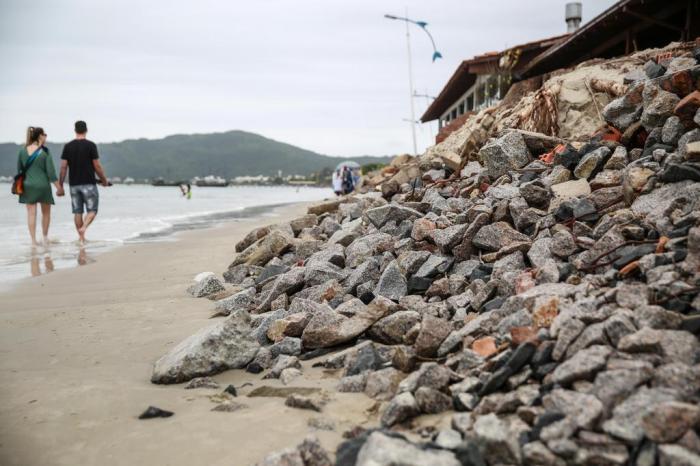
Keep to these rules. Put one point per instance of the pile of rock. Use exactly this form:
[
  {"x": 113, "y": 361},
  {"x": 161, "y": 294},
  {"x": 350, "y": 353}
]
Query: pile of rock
[{"x": 546, "y": 298}]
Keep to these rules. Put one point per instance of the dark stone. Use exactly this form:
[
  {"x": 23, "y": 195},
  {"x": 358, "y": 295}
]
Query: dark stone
[
  {"x": 366, "y": 359},
  {"x": 545, "y": 369},
  {"x": 543, "y": 355},
  {"x": 270, "y": 272},
  {"x": 691, "y": 323},
  {"x": 521, "y": 356},
  {"x": 653, "y": 69},
  {"x": 584, "y": 209},
  {"x": 569, "y": 158},
  {"x": 153, "y": 412},
  {"x": 254, "y": 368},
  {"x": 631, "y": 253},
  {"x": 496, "y": 381},
  {"x": 418, "y": 284},
  {"x": 231, "y": 390},
  {"x": 495, "y": 303},
  {"x": 468, "y": 454},
  {"x": 483, "y": 272},
  {"x": 547, "y": 418},
  {"x": 675, "y": 172}
]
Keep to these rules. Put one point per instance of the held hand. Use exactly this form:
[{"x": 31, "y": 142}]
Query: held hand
[
  {"x": 60, "y": 192},
  {"x": 106, "y": 184}
]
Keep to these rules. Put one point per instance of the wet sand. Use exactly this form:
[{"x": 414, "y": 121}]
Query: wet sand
[{"x": 76, "y": 350}]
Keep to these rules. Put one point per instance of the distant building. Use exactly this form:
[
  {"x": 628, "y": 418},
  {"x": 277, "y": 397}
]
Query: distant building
[
  {"x": 625, "y": 27},
  {"x": 482, "y": 82}
]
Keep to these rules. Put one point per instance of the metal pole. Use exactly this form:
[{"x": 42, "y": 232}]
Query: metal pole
[{"x": 410, "y": 90}]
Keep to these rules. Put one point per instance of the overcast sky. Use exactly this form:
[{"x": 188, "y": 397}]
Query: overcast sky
[{"x": 325, "y": 75}]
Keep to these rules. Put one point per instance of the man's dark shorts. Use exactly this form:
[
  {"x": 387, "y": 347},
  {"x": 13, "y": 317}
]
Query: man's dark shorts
[{"x": 84, "y": 197}]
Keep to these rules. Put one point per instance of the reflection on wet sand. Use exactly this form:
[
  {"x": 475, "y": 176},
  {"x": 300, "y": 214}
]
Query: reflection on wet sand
[
  {"x": 41, "y": 261},
  {"x": 35, "y": 264},
  {"x": 83, "y": 258}
]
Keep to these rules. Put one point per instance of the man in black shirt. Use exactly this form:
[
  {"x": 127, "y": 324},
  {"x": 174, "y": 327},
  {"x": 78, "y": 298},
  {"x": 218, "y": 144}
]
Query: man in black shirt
[{"x": 81, "y": 161}]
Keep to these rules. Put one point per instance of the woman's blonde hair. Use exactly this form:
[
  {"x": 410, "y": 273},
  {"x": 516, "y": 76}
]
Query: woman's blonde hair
[{"x": 33, "y": 133}]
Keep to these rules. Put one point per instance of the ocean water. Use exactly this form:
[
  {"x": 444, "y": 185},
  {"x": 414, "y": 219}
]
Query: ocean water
[{"x": 135, "y": 213}]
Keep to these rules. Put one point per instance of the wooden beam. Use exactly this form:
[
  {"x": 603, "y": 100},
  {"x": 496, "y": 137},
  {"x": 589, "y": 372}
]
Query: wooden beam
[{"x": 652, "y": 20}]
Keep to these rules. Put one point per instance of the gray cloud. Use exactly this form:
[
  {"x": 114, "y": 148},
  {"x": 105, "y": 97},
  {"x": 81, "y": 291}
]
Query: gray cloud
[{"x": 325, "y": 75}]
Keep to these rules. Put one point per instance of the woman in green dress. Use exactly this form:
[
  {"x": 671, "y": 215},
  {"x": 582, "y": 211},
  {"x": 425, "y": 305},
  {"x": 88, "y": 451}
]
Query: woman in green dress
[{"x": 37, "y": 182}]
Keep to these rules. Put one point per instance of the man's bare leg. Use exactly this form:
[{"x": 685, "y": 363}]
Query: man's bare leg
[
  {"x": 78, "y": 219},
  {"x": 89, "y": 217}
]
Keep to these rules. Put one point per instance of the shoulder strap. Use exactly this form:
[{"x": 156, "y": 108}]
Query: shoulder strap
[{"x": 30, "y": 161}]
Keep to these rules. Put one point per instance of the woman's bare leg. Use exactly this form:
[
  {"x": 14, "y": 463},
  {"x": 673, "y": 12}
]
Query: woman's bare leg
[
  {"x": 31, "y": 222},
  {"x": 45, "y": 221}
]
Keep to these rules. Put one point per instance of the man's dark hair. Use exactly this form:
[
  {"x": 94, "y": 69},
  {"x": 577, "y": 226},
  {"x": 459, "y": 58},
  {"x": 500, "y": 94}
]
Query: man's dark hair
[{"x": 80, "y": 127}]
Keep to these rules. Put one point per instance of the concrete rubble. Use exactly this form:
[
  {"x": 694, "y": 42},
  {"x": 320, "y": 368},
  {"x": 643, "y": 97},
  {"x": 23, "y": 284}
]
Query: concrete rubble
[{"x": 540, "y": 292}]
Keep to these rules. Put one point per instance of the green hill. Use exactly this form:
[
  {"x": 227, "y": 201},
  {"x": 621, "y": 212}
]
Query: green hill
[{"x": 183, "y": 156}]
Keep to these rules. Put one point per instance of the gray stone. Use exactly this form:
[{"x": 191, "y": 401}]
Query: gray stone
[
  {"x": 581, "y": 411},
  {"x": 208, "y": 285},
  {"x": 448, "y": 439},
  {"x": 626, "y": 422},
  {"x": 288, "y": 345},
  {"x": 431, "y": 401},
  {"x": 540, "y": 252},
  {"x": 681, "y": 377},
  {"x": 537, "y": 453},
  {"x": 430, "y": 374},
  {"x": 283, "y": 362},
  {"x": 368, "y": 270},
  {"x": 367, "y": 246},
  {"x": 655, "y": 205},
  {"x": 497, "y": 235},
  {"x": 433, "y": 332},
  {"x": 378, "y": 216},
  {"x": 320, "y": 272},
  {"x": 392, "y": 329},
  {"x": 569, "y": 330},
  {"x": 617, "y": 327},
  {"x": 667, "y": 422},
  {"x": 626, "y": 110},
  {"x": 202, "y": 382},
  {"x": 410, "y": 261},
  {"x": 658, "y": 105},
  {"x": 239, "y": 301},
  {"x": 286, "y": 283},
  {"x": 583, "y": 365},
  {"x": 447, "y": 238},
  {"x": 383, "y": 450},
  {"x": 332, "y": 254},
  {"x": 259, "y": 253},
  {"x": 672, "y": 130},
  {"x": 383, "y": 384},
  {"x": 224, "y": 345},
  {"x": 329, "y": 328},
  {"x": 509, "y": 152},
  {"x": 618, "y": 159},
  {"x": 672, "y": 345},
  {"x": 676, "y": 455},
  {"x": 392, "y": 284},
  {"x": 286, "y": 457},
  {"x": 353, "y": 383},
  {"x": 401, "y": 408},
  {"x": 303, "y": 402},
  {"x": 434, "y": 265},
  {"x": 289, "y": 374},
  {"x": 590, "y": 162},
  {"x": 494, "y": 436}
]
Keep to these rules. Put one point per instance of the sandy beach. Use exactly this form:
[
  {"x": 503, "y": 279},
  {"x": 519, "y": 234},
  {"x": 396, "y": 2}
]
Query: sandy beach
[{"x": 76, "y": 350}]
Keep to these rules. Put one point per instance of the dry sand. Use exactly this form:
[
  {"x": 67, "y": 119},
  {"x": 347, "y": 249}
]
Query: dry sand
[{"x": 76, "y": 349}]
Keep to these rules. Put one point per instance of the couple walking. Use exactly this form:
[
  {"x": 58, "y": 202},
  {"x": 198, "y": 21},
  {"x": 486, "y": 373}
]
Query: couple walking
[{"x": 79, "y": 160}]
